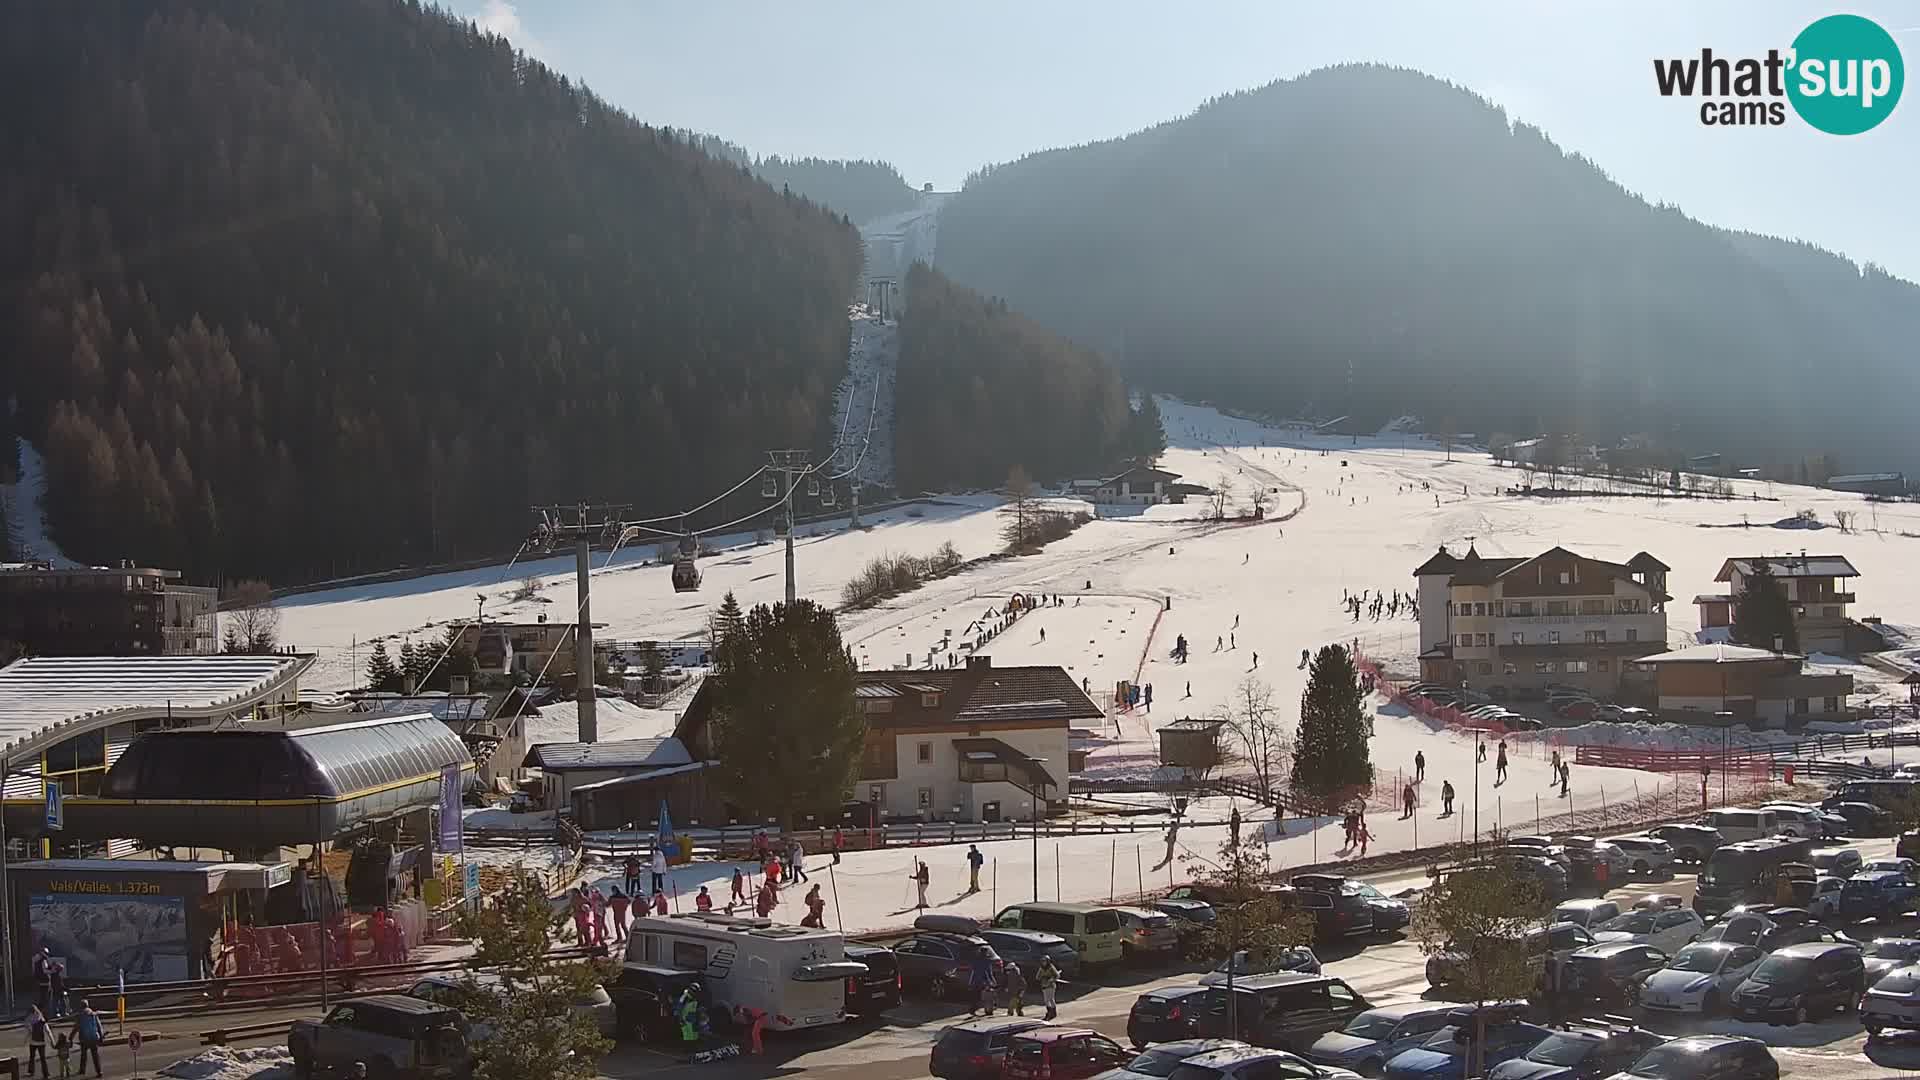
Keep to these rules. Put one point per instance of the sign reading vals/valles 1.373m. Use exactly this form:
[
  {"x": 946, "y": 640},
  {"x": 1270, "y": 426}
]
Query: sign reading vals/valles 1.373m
[{"x": 1843, "y": 75}]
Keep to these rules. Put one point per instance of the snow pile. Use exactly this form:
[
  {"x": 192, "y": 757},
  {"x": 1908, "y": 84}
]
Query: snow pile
[
  {"x": 615, "y": 718},
  {"x": 26, "y": 520},
  {"x": 228, "y": 1063}
]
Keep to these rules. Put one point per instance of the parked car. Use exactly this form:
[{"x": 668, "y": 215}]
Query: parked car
[
  {"x": 1159, "y": 1061},
  {"x": 1633, "y": 714},
  {"x": 1690, "y": 843},
  {"x": 1908, "y": 846},
  {"x": 394, "y": 1035},
  {"x": 1244, "y": 964},
  {"x": 451, "y": 990},
  {"x": 1892, "y": 1002},
  {"x": 1898, "y": 865},
  {"x": 1700, "y": 978},
  {"x": 1647, "y": 856},
  {"x": 1840, "y": 862},
  {"x": 1374, "y": 1037},
  {"x": 1669, "y": 930},
  {"x": 1578, "y": 1053},
  {"x": 644, "y": 996},
  {"x": 1550, "y": 874},
  {"x": 1797, "y": 926},
  {"x": 1336, "y": 915},
  {"x": 1092, "y": 929},
  {"x": 1544, "y": 845},
  {"x": 1024, "y": 948},
  {"x": 1863, "y": 819},
  {"x": 1704, "y": 1057},
  {"x": 1878, "y": 894},
  {"x": 1799, "y": 981},
  {"x": 1166, "y": 1013},
  {"x": 1443, "y": 1056},
  {"x": 1061, "y": 1053},
  {"x": 1561, "y": 939},
  {"x": 1825, "y": 901},
  {"x": 880, "y": 988},
  {"x": 975, "y": 1049},
  {"x": 940, "y": 965},
  {"x": 1659, "y": 901},
  {"x": 1611, "y": 973},
  {"x": 1254, "y": 1063},
  {"x": 1146, "y": 934},
  {"x": 1589, "y": 912},
  {"x": 1284, "y": 1012},
  {"x": 1388, "y": 914},
  {"x": 1186, "y": 913},
  {"x": 1882, "y": 955},
  {"x": 1739, "y": 928},
  {"x": 1795, "y": 820}
]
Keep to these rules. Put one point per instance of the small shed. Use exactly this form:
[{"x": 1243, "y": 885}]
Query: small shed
[
  {"x": 1192, "y": 744},
  {"x": 568, "y": 765}
]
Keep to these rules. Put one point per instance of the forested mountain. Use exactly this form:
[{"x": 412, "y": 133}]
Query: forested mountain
[
  {"x": 862, "y": 190},
  {"x": 297, "y": 289},
  {"x": 981, "y": 389},
  {"x": 1372, "y": 241}
]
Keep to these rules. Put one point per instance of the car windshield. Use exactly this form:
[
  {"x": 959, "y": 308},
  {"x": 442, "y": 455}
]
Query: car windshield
[
  {"x": 1694, "y": 958},
  {"x": 1562, "y": 1049},
  {"x": 1443, "y": 1041},
  {"x": 1781, "y": 969},
  {"x": 1156, "y": 1063},
  {"x": 1738, "y": 931},
  {"x": 1370, "y": 1025}
]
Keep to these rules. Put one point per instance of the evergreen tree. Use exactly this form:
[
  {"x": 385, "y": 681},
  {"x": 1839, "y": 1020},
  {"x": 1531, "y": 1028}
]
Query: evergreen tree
[
  {"x": 1761, "y": 613},
  {"x": 1331, "y": 751},
  {"x": 725, "y": 621},
  {"x": 382, "y": 675},
  {"x": 653, "y": 662},
  {"x": 1146, "y": 435},
  {"x": 784, "y": 729},
  {"x": 527, "y": 1002}
]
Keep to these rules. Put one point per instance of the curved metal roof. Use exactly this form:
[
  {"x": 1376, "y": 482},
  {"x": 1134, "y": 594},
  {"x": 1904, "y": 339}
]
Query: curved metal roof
[
  {"x": 46, "y": 699},
  {"x": 330, "y": 760}
]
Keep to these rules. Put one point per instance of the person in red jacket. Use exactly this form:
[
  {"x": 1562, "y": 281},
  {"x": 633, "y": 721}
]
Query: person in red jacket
[{"x": 619, "y": 902}]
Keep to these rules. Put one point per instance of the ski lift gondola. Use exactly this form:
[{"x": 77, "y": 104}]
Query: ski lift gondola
[
  {"x": 828, "y": 498},
  {"x": 686, "y": 573}
]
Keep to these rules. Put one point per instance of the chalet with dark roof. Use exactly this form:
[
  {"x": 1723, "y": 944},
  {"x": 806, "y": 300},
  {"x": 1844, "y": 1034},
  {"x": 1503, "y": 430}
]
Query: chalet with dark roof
[
  {"x": 973, "y": 743},
  {"x": 1556, "y": 618}
]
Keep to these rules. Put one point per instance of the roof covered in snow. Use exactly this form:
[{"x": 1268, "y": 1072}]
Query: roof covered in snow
[
  {"x": 1718, "y": 653},
  {"x": 1789, "y": 566},
  {"x": 55, "y": 697},
  {"x": 623, "y": 754}
]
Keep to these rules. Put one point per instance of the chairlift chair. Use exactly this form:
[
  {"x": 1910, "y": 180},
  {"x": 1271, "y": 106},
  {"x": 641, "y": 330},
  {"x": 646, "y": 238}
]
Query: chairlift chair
[
  {"x": 770, "y": 486},
  {"x": 813, "y": 485},
  {"x": 828, "y": 498}
]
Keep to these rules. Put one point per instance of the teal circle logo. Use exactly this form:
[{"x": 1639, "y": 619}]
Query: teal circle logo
[{"x": 1846, "y": 74}]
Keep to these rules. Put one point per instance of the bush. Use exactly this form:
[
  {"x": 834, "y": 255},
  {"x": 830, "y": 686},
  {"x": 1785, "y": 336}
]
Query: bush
[
  {"x": 1039, "y": 528},
  {"x": 891, "y": 575}
]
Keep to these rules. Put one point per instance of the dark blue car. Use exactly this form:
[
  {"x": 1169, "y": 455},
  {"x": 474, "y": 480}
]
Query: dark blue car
[
  {"x": 1877, "y": 894},
  {"x": 1444, "y": 1055}
]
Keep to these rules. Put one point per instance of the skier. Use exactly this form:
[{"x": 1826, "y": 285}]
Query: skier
[
  {"x": 1236, "y": 620},
  {"x": 1446, "y": 798},
  {"x": 1148, "y": 699},
  {"x": 1480, "y": 752},
  {"x": 1233, "y": 642},
  {"x": 816, "y": 909},
  {"x": 1406, "y": 797},
  {"x": 739, "y": 887},
  {"x": 703, "y": 900},
  {"x": 1420, "y": 766},
  {"x": 1256, "y": 661},
  {"x": 632, "y": 870},
  {"x": 1500, "y": 764},
  {"x": 1189, "y": 688},
  {"x": 974, "y": 860},
  {"x": 1048, "y": 977},
  {"x": 1043, "y": 635},
  {"x": 920, "y": 880}
]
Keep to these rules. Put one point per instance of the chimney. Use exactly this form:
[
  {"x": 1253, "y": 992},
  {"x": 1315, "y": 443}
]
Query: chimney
[{"x": 979, "y": 661}]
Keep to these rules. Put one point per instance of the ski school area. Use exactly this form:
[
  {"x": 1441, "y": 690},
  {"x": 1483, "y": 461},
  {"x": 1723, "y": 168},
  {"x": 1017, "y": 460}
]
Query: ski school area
[{"x": 1341, "y": 519}]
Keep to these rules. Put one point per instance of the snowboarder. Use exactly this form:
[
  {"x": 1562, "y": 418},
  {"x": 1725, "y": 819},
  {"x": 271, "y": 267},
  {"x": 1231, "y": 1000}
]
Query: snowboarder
[
  {"x": 974, "y": 860},
  {"x": 1420, "y": 766},
  {"x": 1446, "y": 798}
]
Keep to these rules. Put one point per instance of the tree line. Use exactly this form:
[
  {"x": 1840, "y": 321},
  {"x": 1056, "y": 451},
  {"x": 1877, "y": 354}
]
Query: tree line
[
  {"x": 305, "y": 290},
  {"x": 1439, "y": 260},
  {"x": 860, "y": 190}
]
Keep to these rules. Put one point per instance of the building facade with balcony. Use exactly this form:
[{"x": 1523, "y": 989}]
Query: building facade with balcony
[
  {"x": 1816, "y": 588},
  {"x": 123, "y": 610},
  {"x": 1556, "y": 618},
  {"x": 1751, "y": 686}
]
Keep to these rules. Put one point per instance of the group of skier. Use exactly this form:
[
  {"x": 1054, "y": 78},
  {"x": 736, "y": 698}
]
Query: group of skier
[{"x": 1376, "y": 604}]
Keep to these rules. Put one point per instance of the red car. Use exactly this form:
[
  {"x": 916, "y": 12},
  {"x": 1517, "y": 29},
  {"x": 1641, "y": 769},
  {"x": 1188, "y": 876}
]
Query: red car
[{"x": 1061, "y": 1053}]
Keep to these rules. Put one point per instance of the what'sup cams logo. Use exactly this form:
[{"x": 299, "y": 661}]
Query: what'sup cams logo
[{"x": 1842, "y": 75}]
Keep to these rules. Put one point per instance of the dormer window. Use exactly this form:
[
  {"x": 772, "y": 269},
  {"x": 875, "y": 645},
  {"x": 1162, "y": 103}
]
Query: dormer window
[{"x": 929, "y": 701}]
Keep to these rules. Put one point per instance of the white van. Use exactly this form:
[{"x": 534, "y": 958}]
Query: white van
[
  {"x": 1740, "y": 825},
  {"x": 793, "y": 974}
]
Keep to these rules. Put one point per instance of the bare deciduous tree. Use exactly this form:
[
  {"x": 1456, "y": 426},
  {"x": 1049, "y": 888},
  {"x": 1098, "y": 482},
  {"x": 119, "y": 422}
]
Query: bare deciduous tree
[
  {"x": 253, "y": 622},
  {"x": 1257, "y": 729},
  {"x": 1220, "y": 496},
  {"x": 1262, "y": 498},
  {"x": 529, "y": 588}
]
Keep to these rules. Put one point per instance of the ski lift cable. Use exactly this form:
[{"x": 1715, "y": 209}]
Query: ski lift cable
[
  {"x": 444, "y": 653},
  {"x": 555, "y": 654},
  {"x": 751, "y": 477}
]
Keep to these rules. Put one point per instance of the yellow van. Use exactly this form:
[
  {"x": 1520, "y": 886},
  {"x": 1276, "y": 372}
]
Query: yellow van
[{"x": 1094, "y": 930}]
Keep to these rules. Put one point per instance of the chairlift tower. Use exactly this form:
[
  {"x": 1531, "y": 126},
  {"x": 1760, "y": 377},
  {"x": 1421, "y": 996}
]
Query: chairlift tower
[
  {"x": 581, "y": 523},
  {"x": 788, "y": 466}
]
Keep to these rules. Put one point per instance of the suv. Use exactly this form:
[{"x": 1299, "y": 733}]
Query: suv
[
  {"x": 941, "y": 965},
  {"x": 1690, "y": 843},
  {"x": 1287, "y": 1011},
  {"x": 1801, "y": 980},
  {"x": 1838, "y": 862},
  {"x": 643, "y": 998},
  {"x": 1388, "y": 914},
  {"x": 974, "y": 1050},
  {"x": 1373, "y": 1037},
  {"x": 1166, "y": 1014},
  {"x": 1024, "y": 948},
  {"x": 1877, "y": 894},
  {"x": 879, "y": 989},
  {"x": 1579, "y": 1054},
  {"x": 1336, "y": 914},
  {"x": 1444, "y": 1053},
  {"x": 398, "y": 1037},
  {"x": 1647, "y": 856},
  {"x": 1611, "y": 974},
  {"x": 1561, "y": 939},
  {"x": 595, "y": 1006},
  {"x": 1146, "y": 934},
  {"x": 1061, "y": 1053}
]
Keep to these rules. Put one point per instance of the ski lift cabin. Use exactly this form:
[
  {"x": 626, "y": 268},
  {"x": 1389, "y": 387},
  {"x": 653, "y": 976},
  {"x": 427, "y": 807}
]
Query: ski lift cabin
[
  {"x": 770, "y": 487},
  {"x": 686, "y": 573}
]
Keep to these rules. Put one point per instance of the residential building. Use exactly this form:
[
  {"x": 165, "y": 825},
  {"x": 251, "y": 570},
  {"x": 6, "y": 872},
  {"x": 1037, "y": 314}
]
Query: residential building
[
  {"x": 1141, "y": 485},
  {"x": 1814, "y": 586},
  {"x": 973, "y": 743},
  {"x": 123, "y": 610},
  {"x": 1556, "y": 618},
  {"x": 1750, "y": 685},
  {"x": 1884, "y": 483}
]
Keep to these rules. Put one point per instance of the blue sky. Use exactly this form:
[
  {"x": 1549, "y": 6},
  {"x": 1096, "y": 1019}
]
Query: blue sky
[{"x": 942, "y": 89}]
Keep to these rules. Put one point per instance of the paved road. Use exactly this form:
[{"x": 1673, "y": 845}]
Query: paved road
[{"x": 897, "y": 1049}]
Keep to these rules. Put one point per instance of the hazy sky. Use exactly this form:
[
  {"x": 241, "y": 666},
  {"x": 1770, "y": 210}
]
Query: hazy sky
[{"x": 941, "y": 89}]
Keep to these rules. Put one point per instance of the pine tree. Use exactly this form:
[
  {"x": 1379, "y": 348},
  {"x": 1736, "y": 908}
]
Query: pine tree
[
  {"x": 784, "y": 729},
  {"x": 382, "y": 676},
  {"x": 1762, "y": 617},
  {"x": 1331, "y": 750},
  {"x": 725, "y": 621}
]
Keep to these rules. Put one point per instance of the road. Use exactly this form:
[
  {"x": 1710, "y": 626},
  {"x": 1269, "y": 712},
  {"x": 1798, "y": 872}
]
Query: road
[{"x": 897, "y": 1047}]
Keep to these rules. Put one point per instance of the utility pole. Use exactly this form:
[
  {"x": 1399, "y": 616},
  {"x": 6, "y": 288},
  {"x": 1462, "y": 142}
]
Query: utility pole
[
  {"x": 588, "y": 521},
  {"x": 790, "y": 465}
]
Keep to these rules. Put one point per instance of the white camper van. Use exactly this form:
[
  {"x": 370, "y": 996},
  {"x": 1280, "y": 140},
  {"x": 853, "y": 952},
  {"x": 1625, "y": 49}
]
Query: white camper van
[{"x": 793, "y": 974}]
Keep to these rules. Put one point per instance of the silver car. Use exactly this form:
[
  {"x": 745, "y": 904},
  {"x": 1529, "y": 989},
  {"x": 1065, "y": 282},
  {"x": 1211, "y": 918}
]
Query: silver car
[
  {"x": 1700, "y": 978},
  {"x": 1647, "y": 856}
]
